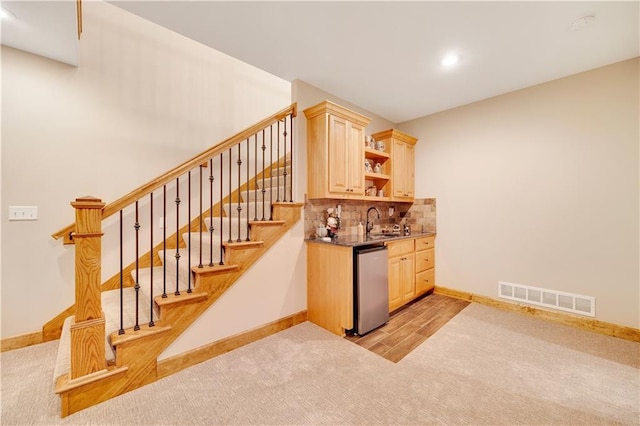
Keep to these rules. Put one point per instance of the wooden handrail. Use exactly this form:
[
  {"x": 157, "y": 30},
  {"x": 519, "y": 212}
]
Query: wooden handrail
[{"x": 156, "y": 183}]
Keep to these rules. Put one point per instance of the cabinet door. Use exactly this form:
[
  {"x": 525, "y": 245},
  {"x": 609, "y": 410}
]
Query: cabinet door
[
  {"x": 338, "y": 148},
  {"x": 403, "y": 170},
  {"x": 355, "y": 165},
  {"x": 410, "y": 167},
  {"x": 408, "y": 284},
  {"x": 395, "y": 278}
]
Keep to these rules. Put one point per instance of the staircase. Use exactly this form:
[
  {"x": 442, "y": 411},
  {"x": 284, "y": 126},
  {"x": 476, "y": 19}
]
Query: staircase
[{"x": 239, "y": 203}]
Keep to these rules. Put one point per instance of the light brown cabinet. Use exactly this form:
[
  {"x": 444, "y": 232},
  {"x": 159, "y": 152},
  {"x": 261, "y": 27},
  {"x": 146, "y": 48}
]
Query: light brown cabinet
[
  {"x": 402, "y": 149},
  {"x": 411, "y": 269},
  {"x": 336, "y": 155},
  {"x": 330, "y": 279},
  {"x": 425, "y": 262},
  {"x": 335, "y": 152},
  {"x": 330, "y": 287},
  {"x": 401, "y": 273}
]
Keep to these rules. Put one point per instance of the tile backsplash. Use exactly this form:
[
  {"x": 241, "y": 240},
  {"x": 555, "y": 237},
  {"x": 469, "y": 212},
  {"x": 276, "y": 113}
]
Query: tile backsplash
[{"x": 419, "y": 215}]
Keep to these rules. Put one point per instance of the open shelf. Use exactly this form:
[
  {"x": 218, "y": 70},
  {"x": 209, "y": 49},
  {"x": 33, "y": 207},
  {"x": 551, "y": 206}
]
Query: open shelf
[
  {"x": 374, "y": 153},
  {"x": 376, "y": 176}
]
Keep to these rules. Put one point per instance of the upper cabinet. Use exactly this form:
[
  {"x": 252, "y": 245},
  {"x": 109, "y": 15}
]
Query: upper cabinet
[
  {"x": 403, "y": 163},
  {"x": 341, "y": 163},
  {"x": 335, "y": 152}
]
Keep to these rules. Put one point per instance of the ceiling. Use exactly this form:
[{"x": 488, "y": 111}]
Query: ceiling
[{"x": 385, "y": 56}]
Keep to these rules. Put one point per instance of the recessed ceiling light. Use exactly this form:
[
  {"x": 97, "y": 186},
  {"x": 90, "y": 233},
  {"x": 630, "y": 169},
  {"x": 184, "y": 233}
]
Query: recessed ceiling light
[
  {"x": 6, "y": 13},
  {"x": 581, "y": 22},
  {"x": 449, "y": 60}
]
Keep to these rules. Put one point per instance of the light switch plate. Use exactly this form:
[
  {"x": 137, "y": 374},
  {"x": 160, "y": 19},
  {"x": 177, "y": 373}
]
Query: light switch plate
[{"x": 23, "y": 212}]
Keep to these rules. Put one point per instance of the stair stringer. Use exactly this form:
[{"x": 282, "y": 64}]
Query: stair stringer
[{"x": 137, "y": 351}]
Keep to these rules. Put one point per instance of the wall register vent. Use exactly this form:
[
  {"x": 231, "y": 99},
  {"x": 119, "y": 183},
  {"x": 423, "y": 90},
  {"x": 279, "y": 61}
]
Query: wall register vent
[{"x": 568, "y": 302}]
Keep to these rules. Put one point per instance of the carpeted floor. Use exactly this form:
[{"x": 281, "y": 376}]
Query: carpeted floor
[{"x": 483, "y": 367}]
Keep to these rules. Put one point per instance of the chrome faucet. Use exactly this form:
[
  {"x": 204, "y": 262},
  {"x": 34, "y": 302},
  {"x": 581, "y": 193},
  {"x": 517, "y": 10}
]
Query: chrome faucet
[{"x": 370, "y": 224}]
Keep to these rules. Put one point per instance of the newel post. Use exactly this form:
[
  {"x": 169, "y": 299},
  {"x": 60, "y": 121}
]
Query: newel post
[{"x": 88, "y": 329}]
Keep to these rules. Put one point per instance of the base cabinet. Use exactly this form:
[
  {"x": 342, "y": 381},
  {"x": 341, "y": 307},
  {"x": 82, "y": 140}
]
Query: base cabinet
[
  {"x": 330, "y": 287},
  {"x": 330, "y": 279},
  {"x": 411, "y": 270}
]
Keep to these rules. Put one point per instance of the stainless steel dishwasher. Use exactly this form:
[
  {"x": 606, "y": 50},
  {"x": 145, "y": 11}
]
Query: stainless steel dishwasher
[{"x": 370, "y": 288}]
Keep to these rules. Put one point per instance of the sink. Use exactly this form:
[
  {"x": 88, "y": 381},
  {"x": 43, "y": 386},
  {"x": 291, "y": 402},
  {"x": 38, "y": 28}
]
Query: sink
[{"x": 380, "y": 236}]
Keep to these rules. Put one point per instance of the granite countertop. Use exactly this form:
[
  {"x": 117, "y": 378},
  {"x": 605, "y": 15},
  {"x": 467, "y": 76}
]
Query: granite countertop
[{"x": 354, "y": 240}]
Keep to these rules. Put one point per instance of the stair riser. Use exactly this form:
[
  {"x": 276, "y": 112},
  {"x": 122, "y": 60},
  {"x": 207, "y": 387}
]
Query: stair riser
[
  {"x": 229, "y": 230},
  {"x": 274, "y": 182},
  {"x": 278, "y": 171}
]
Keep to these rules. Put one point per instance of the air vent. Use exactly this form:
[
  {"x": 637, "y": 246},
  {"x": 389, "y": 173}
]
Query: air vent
[{"x": 568, "y": 302}]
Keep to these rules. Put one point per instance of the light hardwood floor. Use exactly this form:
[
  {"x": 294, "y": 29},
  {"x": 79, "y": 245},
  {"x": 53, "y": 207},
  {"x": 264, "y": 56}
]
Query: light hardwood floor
[{"x": 409, "y": 326}]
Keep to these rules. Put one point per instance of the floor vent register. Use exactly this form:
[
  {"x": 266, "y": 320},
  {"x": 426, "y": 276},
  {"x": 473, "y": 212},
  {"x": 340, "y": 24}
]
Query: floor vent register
[{"x": 568, "y": 302}]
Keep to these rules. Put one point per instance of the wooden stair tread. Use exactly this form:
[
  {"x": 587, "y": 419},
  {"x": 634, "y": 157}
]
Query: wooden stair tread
[
  {"x": 267, "y": 222},
  {"x": 215, "y": 269},
  {"x": 183, "y": 297},
  {"x": 130, "y": 334},
  {"x": 243, "y": 244},
  {"x": 287, "y": 204}
]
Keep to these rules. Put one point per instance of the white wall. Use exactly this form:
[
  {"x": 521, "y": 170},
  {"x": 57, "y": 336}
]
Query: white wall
[
  {"x": 142, "y": 101},
  {"x": 540, "y": 187}
]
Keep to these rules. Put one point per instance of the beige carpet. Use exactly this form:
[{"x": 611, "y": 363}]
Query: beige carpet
[{"x": 484, "y": 367}]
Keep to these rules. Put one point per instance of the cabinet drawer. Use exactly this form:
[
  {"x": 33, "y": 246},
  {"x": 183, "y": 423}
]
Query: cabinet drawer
[
  {"x": 424, "y": 260},
  {"x": 425, "y": 281},
  {"x": 425, "y": 243},
  {"x": 398, "y": 248}
]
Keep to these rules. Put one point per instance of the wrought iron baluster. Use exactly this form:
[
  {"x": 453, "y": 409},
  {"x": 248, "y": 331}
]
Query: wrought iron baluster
[
  {"x": 221, "y": 208},
  {"x": 239, "y": 208},
  {"x": 247, "y": 184},
  {"x": 255, "y": 174},
  {"x": 121, "y": 330},
  {"x": 177, "y": 292},
  {"x": 136, "y": 226},
  {"x": 200, "y": 219},
  {"x": 151, "y": 323},
  {"x": 278, "y": 160},
  {"x": 271, "y": 170},
  {"x": 264, "y": 191},
  {"x": 229, "y": 195},
  {"x": 291, "y": 153},
  {"x": 188, "y": 232},
  {"x": 211, "y": 212},
  {"x": 164, "y": 241},
  {"x": 285, "y": 160}
]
